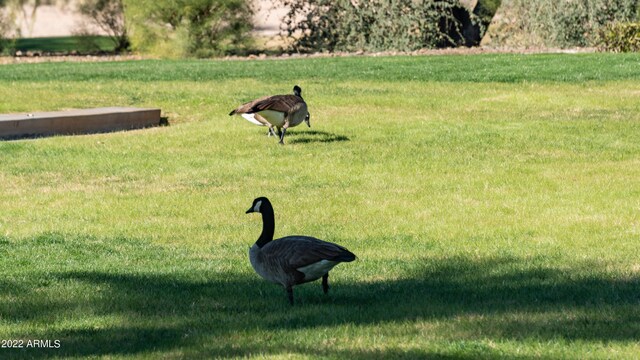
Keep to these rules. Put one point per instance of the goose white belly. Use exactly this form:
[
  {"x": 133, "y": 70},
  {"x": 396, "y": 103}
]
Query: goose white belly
[
  {"x": 252, "y": 118},
  {"x": 316, "y": 270},
  {"x": 275, "y": 118}
]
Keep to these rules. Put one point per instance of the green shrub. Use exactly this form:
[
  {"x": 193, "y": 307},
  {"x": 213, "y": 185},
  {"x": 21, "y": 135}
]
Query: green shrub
[
  {"x": 566, "y": 23},
  {"x": 376, "y": 25},
  {"x": 7, "y": 41},
  {"x": 7, "y": 46},
  {"x": 200, "y": 28},
  {"x": 620, "y": 37}
]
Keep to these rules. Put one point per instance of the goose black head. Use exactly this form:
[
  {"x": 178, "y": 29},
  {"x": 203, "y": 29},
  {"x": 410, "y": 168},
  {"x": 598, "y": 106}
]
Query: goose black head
[
  {"x": 307, "y": 118},
  {"x": 297, "y": 91},
  {"x": 258, "y": 204}
]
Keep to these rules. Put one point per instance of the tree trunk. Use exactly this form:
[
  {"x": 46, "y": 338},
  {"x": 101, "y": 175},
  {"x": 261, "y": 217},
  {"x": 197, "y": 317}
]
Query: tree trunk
[{"x": 469, "y": 32}]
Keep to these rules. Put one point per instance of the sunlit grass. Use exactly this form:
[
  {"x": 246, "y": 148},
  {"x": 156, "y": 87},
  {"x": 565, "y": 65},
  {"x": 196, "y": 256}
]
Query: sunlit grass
[{"x": 493, "y": 216}]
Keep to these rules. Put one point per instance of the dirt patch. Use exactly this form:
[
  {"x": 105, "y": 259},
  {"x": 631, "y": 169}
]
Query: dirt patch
[
  {"x": 421, "y": 52},
  {"x": 89, "y": 58}
]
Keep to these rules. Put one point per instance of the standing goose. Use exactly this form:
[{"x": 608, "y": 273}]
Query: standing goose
[
  {"x": 292, "y": 260},
  {"x": 281, "y": 111}
]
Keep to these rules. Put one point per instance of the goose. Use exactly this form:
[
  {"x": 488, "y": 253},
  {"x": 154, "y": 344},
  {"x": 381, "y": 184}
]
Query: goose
[
  {"x": 292, "y": 260},
  {"x": 280, "y": 111}
]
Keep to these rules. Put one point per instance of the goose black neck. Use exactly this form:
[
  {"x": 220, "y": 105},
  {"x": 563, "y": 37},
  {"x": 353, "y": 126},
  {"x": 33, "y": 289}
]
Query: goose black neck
[{"x": 268, "y": 225}]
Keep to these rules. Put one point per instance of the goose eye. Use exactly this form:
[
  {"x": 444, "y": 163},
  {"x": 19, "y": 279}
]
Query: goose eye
[{"x": 256, "y": 207}]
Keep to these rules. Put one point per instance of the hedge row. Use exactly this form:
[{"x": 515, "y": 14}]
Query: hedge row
[
  {"x": 553, "y": 23},
  {"x": 204, "y": 28}
]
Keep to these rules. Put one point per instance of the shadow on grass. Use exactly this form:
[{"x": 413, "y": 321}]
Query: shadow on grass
[
  {"x": 161, "y": 310},
  {"x": 311, "y": 136}
]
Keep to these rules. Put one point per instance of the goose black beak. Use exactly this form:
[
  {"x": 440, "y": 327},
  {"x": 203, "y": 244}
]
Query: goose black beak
[{"x": 249, "y": 211}]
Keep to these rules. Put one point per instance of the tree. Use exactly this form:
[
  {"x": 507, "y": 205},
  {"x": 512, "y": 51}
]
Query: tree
[
  {"x": 472, "y": 22},
  {"x": 26, "y": 8},
  {"x": 200, "y": 28},
  {"x": 107, "y": 15},
  {"x": 375, "y": 25},
  {"x": 7, "y": 26}
]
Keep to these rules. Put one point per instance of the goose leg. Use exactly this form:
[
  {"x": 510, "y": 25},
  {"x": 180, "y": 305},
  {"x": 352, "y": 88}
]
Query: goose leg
[
  {"x": 271, "y": 131},
  {"x": 282, "y": 136},
  {"x": 290, "y": 294},
  {"x": 325, "y": 283},
  {"x": 284, "y": 129}
]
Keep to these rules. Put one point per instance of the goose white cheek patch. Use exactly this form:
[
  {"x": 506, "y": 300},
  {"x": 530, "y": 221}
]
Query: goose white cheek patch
[{"x": 256, "y": 208}]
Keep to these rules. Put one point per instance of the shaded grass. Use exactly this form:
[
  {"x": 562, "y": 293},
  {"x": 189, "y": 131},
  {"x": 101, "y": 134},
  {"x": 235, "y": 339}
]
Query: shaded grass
[
  {"x": 193, "y": 305},
  {"x": 67, "y": 44},
  {"x": 491, "y": 219}
]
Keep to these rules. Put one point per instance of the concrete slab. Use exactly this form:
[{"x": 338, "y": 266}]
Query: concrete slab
[{"x": 86, "y": 121}]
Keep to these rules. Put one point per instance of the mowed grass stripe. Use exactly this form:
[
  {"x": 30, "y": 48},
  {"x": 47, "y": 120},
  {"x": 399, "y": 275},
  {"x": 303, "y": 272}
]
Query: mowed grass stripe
[{"x": 508, "y": 68}]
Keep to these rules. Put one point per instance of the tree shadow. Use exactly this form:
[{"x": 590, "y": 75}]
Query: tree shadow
[
  {"x": 504, "y": 299},
  {"x": 311, "y": 136},
  {"x": 164, "y": 310}
]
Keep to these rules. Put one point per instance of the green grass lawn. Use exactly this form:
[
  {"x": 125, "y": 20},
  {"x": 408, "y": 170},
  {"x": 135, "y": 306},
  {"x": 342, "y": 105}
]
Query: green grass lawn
[{"x": 493, "y": 202}]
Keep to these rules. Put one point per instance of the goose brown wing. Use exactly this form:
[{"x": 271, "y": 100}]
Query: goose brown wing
[
  {"x": 282, "y": 103},
  {"x": 246, "y": 107},
  {"x": 300, "y": 251}
]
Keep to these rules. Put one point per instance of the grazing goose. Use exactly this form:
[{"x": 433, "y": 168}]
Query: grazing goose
[
  {"x": 292, "y": 260},
  {"x": 281, "y": 111}
]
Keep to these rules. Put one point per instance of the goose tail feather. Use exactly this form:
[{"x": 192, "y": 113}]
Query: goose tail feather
[
  {"x": 345, "y": 256},
  {"x": 251, "y": 118}
]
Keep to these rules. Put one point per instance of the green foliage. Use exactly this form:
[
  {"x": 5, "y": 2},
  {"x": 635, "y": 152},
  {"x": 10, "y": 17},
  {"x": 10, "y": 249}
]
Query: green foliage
[
  {"x": 108, "y": 15},
  {"x": 346, "y": 25},
  {"x": 567, "y": 23},
  {"x": 7, "y": 45},
  {"x": 620, "y": 37},
  {"x": 198, "y": 28},
  {"x": 6, "y": 29}
]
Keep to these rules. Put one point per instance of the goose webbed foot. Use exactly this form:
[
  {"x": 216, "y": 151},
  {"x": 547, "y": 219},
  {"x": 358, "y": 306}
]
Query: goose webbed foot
[{"x": 325, "y": 283}]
